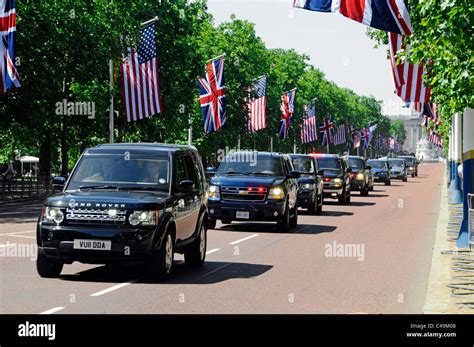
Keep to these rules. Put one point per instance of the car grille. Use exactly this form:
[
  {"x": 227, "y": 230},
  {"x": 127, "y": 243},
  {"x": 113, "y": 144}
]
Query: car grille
[
  {"x": 95, "y": 216},
  {"x": 243, "y": 193}
]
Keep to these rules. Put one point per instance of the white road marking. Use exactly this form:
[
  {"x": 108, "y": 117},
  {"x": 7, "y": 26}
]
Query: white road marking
[
  {"x": 20, "y": 232},
  {"x": 8, "y": 245},
  {"x": 53, "y": 310},
  {"x": 213, "y": 250},
  {"x": 111, "y": 289},
  {"x": 244, "y": 239},
  {"x": 26, "y": 237}
]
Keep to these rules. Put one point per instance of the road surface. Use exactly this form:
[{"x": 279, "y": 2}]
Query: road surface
[{"x": 370, "y": 257}]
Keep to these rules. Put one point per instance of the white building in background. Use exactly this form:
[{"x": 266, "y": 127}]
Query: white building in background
[{"x": 412, "y": 129}]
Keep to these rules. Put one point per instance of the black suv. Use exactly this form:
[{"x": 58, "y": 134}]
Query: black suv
[
  {"x": 336, "y": 177},
  {"x": 254, "y": 186},
  {"x": 362, "y": 177},
  {"x": 310, "y": 193},
  {"x": 125, "y": 202}
]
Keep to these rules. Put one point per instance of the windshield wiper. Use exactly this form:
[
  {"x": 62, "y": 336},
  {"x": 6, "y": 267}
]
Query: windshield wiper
[
  {"x": 233, "y": 173},
  {"x": 109, "y": 186},
  {"x": 261, "y": 173},
  {"x": 138, "y": 188}
]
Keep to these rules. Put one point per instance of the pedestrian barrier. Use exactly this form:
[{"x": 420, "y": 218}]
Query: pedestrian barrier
[
  {"x": 24, "y": 187},
  {"x": 470, "y": 200}
]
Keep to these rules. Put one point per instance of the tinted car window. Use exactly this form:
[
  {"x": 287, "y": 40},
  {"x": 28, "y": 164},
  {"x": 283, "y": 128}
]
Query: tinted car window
[
  {"x": 376, "y": 164},
  {"x": 356, "y": 163},
  {"x": 303, "y": 165},
  {"x": 329, "y": 164},
  {"x": 410, "y": 161},
  {"x": 115, "y": 170},
  {"x": 262, "y": 164},
  {"x": 396, "y": 162}
]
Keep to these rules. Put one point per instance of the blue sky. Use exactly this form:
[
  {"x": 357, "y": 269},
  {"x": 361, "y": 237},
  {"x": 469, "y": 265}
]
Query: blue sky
[{"x": 336, "y": 45}]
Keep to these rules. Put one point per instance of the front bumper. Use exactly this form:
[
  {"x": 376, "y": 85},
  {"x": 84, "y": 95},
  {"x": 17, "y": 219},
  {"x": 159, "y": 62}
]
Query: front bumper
[
  {"x": 331, "y": 192},
  {"x": 398, "y": 176},
  {"x": 306, "y": 198},
  {"x": 381, "y": 178},
  {"x": 270, "y": 210},
  {"x": 357, "y": 185},
  {"x": 57, "y": 242}
]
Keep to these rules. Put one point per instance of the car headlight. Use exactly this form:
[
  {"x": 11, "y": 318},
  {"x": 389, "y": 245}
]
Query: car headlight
[
  {"x": 143, "y": 218},
  {"x": 213, "y": 193},
  {"x": 276, "y": 193},
  {"x": 337, "y": 180},
  {"x": 53, "y": 215},
  {"x": 307, "y": 185},
  {"x": 360, "y": 177},
  {"x": 411, "y": 168}
]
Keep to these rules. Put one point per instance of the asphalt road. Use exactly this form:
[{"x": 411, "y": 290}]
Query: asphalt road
[{"x": 384, "y": 241}]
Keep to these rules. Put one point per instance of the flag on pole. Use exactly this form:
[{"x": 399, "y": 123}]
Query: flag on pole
[
  {"x": 257, "y": 105},
  {"x": 364, "y": 137},
  {"x": 309, "y": 131},
  {"x": 408, "y": 77},
  {"x": 140, "y": 78},
  {"x": 287, "y": 108},
  {"x": 371, "y": 132},
  {"x": 326, "y": 130},
  {"x": 425, "y": 121},
  {"x": 212, "y": 95},
  {"x": 340, "y": 136},
  {"x": 8, "y": 73},
  {"x": 387, "y": 15}
]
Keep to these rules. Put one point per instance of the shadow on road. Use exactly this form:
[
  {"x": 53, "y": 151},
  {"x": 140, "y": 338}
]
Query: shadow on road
[
  {"x": 211, "y": 272},
  {"x": 377, "y": 195},
  {"x": 272, "y": 228},
  {"x": 362, "y": 203},
  {"x": 336, "y": 213}
]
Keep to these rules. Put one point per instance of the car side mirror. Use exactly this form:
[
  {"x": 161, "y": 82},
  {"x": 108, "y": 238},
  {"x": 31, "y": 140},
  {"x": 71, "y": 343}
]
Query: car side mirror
[
  {"x": 58, "y": 182},
  {"x": 368, "y": 167},
  {"x": 321, "y": 172},
  {"x": 210, "y": 171},
  {"x": 186, "y": 185},
  {"x": 293, "y": 174},
  {"x": 349, "y": 170}
]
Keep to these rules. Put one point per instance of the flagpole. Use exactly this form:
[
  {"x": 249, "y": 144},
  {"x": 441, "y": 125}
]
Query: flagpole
[
  {"x": 149, "y": 22},
  {"x": 111, "y": 106},
  {"x": 215, "y": 58},
  {"x": 190, "y": 130},
  {"x": 271, "y": 143},
  {"x": 289, "y": 91}
]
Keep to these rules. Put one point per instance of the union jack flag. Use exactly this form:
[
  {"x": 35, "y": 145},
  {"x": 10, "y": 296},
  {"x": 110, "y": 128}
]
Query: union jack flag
[
  {"x": 212, "y": 96},
  {"x": 287, "y": 108},
  {"x": 8, "y": 73},
  {"x": 326, "y": 130},
  {"x": 309, "y": 132},
  {"x": 365, "y": 138}
]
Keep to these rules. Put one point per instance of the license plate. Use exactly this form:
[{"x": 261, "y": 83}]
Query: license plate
[
  {"x": 242, "y": 214},
  {"x": 93, "y": 244}
]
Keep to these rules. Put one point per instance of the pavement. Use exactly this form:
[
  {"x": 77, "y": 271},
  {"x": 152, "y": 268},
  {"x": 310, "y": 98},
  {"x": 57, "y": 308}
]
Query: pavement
[{"x": 373, "y": 256}]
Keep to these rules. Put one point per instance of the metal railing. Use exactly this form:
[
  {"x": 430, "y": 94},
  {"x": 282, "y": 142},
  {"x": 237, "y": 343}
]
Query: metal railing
[
  {"x": 24, "y": 187},
  {"x": 470, "y": 201}
]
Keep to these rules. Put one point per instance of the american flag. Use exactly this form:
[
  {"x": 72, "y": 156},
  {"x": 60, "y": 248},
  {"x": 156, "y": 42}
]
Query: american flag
[
  {"x": 309, "y": 133},
  {"x": 287, "y": 108},
  {"x": 212, "y": 96},
  {"x": 326, "y": 130},
  {"x": 435, "y": 138},
  {"x": 257, "y": 105},
  {"x": 425, "y": 121},
  {"x": 140, "y": 78},
  {"x": 428, "y": 109},
  {"x": 408, "y": 77},
  {"x": 8, "y": 73},
  {"x": 340, "y": 136}
]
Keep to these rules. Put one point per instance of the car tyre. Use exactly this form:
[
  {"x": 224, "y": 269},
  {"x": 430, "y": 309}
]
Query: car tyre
[
  {"x": 195, "y": 255},
  {"x": 161, "y": 263},
  {"x": 294, "y": 219},
  {"x": 388, "y": 183},
  {"x": 47, "y": 268},
  {"x": 283, "y": 225},
  {"x": 405, "y": 179},
  {"x": 319, "y": 207},
  {"x": 226, "y": 221},
  {"x": 211, "y": 223}
]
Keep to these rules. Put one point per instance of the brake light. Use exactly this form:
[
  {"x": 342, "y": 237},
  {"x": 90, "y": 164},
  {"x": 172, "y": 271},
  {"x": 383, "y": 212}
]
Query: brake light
[
  {"x": 261, "y": 189},
  {"x": 249, "y": 189},
  {"x": 326, "y": 179}
]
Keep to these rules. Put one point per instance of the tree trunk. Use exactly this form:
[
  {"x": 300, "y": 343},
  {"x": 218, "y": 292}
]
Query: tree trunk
[
  {"x": 64, "y": 147},
  {"x": 45, "y": 156}
]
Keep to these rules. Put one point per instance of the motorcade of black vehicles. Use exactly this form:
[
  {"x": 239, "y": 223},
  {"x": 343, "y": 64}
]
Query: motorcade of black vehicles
[
  {"x": 412, "y": 164},
  {"x": 361, "y": 177},
  {"x": 310, "y": 192},
  {"x": 335, "y": 172},
  {"x": 380, "y": 170},
  {"x": 254, "y": 186},
  {"x": 398, "y": 169},
  {"x": 127, "y": 203}
]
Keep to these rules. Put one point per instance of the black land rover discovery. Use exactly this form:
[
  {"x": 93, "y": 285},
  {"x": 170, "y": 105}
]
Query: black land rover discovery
[{"x": 125, "y": 202}]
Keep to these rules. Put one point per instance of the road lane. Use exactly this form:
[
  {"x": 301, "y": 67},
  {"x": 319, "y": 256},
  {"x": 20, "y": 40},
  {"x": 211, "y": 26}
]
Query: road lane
[{"x": 390, "y": 234}]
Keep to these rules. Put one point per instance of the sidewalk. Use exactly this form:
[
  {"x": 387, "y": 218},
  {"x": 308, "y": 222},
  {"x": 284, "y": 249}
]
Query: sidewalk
[{"x": 439, "y": 297}]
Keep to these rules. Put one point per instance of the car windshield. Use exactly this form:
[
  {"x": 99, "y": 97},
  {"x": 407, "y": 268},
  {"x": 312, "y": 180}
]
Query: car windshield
[
  {"x": 265, "y": 165},
  {"x": 117, "y": 171},
  {"x": 329, "y": 164},
  {"x": 356, "y": 163},
  {"x": 396, "y": 162},
  {"x": 410, "y": 161},
  {"x": 376, "y": 164},
  {"x": 303, "y": 165}
]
